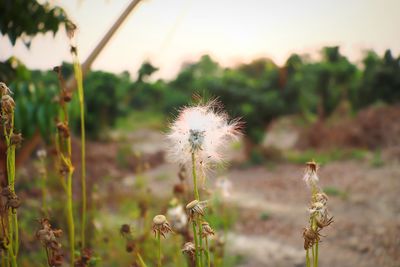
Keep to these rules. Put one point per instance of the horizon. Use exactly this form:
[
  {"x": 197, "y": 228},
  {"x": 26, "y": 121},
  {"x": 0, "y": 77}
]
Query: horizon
[{"x": 183, "y": 31}]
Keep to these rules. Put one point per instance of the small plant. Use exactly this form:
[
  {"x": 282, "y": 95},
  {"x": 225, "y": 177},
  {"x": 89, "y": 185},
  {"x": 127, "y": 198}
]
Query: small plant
[
  {"x": 49, "y": 239},
  {"x": 197, "y": 138},
  {"x": 64, "y": 153},
  {"x": 319, "y": 216},
  {"x": 160, "y": 228},
  {"x": 9, "y": 220}
]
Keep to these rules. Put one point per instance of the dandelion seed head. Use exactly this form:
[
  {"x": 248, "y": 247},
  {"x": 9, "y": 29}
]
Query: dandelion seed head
[
  {"x": 203, "y": 129},
  {"x": 310, "y": 175}
]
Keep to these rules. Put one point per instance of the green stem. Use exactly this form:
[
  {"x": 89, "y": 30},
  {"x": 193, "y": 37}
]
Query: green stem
[
  {"x": 196, "y": 191},
  {"x": 316, "y": 255},
  {"x": 70, "y": 219},
  {"x": 308, "y": 263},
  {"x": 207, "y": 253},
  {"x": 79, "y": 79},
  {"x": 196, "y": 243},
  {"x": 159, "y": 248},
  {"x": 200, "y": 233}
]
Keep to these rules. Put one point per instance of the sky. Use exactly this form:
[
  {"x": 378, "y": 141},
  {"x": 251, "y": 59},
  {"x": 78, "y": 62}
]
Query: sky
[{"x": 169, "y": 33}]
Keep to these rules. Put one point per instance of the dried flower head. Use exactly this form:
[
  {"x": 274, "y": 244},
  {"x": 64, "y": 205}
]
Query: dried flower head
[
  {"x": 48, "y": 237},
  {"x": 7, "y": 104},
  {"x": 161, "y": 225},
  {"x": 4, "y": 90},
  {"x": 189, "y": 249},
  {"x": 310, "y": 237},
  {"x": 310, "y": 174},
  {"x": 318, "y": 208},
  {"x": 63, "y": 129},
  {"x": 202, "y": 129},
  {"x": 16, "y": 139},
  {"x": 196, "y": 208},
  {"x": 322, "y": 198},
  {"x": 207, "y": 230}
]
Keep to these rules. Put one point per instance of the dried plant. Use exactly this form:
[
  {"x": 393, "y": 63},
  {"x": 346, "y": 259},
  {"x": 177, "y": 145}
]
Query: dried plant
[
  {"x": 319, "y": 216},
  {"x": 49, "y": 239},
  {"x": 9, "y": 219}
]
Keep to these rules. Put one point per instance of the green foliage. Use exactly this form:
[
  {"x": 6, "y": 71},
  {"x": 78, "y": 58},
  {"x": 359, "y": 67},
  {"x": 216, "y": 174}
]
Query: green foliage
[{"x": 26, "y": 18}]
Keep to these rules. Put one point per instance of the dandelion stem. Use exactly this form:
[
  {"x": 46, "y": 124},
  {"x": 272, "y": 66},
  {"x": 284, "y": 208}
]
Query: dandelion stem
[
  {"x": 196, "y": 243},
  {"x": 159, "y": 248},
  {"x": 79, "y": 79},
  {"x": 316, "y": 254},
  {"x": 70, "y": 219},
  {"x": 207, "y": 253},
  {"x": 196, "y": 191},
  {"x": 308, "y": 263}
]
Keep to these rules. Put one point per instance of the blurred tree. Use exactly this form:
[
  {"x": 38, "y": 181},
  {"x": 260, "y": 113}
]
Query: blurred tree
[{"x": 23, "y": 19}]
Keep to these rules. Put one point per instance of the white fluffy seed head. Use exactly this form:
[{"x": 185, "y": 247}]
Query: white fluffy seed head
[{"x": 203, "y": 129}]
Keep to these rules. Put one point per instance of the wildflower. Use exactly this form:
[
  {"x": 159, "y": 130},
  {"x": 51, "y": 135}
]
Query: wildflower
[
  {"x": 202, "y": 129},
  {"x": 207, "y": 230},
  {"x": 161, "y": 225},
  {"x": 196, "y": 208},
  {"x": 310, "y": 174},
  {"x": 189, "y": 248}
]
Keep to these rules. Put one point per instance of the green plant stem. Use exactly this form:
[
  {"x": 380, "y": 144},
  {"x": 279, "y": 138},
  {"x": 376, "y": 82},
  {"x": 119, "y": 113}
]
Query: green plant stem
[
  {"x": 199, "y": 244},
  {"x": 196, "y": 243},
  {"x": 79, "y": 79},
  {"x": 207, "y": 253},
  {"x": 308, "y": 263},
  {"x": 70, "y": 219},
  {"x": 159, "y": 248},
  {"x": 316, "y": 255},
  {"x": 200, "y": 233},
  {"x": 196, "y": 191}
]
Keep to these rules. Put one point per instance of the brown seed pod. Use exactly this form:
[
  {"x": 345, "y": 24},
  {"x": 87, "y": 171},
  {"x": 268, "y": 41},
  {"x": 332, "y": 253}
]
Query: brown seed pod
[
  {"x": 161, "y": 225},
  {"x": 63, "y": 129},
  {"x": 125, "y": 229},
  {"x": 16, "y": 139},
  {"x": 324, "y": 222}
]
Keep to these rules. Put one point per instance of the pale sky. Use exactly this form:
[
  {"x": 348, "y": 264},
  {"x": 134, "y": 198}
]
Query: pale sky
[{"x": 170, "y": 32}]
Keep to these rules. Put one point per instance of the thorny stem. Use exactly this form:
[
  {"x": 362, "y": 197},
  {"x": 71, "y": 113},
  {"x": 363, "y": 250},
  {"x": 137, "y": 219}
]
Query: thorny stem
[
  {"x": 159, "y": 248},
  {"x": 79, "y": 79}
]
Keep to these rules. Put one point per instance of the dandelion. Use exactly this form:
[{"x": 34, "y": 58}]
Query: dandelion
[
  {"x": 310, "y": 174},
  {"x": 202, "y": 129},
  {"x": 160, "y": 228},
  {"x": 189, "y": 249},
  {"x": 197, "y": 137},
  {"x": 196, "y": 208}
]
